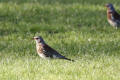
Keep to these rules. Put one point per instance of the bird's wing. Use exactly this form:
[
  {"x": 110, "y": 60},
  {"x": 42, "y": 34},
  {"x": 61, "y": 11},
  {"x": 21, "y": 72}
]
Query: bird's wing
[
  {"x": 116, "y": 16},
  {"x": 52, "y": 53}
]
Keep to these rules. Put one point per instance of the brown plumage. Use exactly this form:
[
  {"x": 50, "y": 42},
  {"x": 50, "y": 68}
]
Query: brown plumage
[
  {"x": 112, "y": 16},
  {"x": 46, "y": 51}
]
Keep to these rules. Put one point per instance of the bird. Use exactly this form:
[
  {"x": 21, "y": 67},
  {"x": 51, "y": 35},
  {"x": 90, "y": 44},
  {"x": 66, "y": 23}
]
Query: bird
[
  {"x": 112, "y": 16},
  {"x": 45, "y": 51}
]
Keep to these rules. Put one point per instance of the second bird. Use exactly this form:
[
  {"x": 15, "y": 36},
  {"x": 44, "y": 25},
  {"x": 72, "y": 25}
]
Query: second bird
[{"x": 112, "y": 16}]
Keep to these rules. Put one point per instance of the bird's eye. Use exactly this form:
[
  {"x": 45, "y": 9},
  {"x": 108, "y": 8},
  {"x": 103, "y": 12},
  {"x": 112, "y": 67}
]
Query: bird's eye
[{"x": 36, "y": 38}]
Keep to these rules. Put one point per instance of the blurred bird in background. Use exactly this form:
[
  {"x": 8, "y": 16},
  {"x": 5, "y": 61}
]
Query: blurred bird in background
[
  {"x": 112, "y": 16},
  {"x": 45, "y": 51}
]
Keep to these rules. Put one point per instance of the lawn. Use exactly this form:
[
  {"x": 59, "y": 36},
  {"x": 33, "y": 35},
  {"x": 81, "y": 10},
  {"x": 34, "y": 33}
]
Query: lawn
[{"x": 78, "y": 29}]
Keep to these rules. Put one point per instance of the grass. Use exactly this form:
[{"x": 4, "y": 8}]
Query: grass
[{"x": 77, "y": 29}]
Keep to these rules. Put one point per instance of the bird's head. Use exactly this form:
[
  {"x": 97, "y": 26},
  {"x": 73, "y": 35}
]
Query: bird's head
[
  {"x": 109, "y": 6},
  {"x": 39, "y": 39}
]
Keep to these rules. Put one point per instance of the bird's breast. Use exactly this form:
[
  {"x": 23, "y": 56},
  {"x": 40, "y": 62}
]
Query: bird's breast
[
  {"x": 111, "y": 19},
  {"x": 39, "y": 49},
  {"x": 109, "y": 16}
]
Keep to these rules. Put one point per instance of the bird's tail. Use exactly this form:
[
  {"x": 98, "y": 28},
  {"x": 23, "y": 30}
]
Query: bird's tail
[{"x": 69, "y": 59}]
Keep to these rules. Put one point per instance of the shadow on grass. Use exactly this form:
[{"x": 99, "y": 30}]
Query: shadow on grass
[
  {"x": 73, "y": 49},
  {"x": 93, "y": 48}
]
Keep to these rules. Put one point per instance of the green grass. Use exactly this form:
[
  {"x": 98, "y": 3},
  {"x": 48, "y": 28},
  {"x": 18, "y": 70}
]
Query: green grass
[{"x": 77, "y": 29}]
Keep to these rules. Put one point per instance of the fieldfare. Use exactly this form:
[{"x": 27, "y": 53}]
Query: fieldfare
[
  {"x": 112, "y": 16},
  {"x": 45, "y": 51}
]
